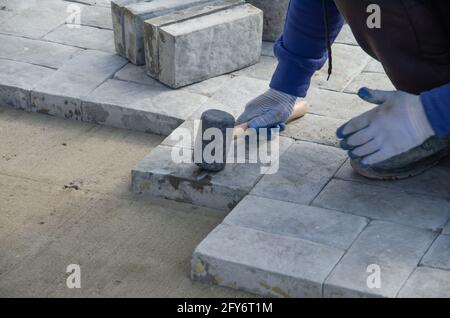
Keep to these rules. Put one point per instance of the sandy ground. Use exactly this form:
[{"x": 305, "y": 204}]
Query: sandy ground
[{"x": 64, "y": 199}]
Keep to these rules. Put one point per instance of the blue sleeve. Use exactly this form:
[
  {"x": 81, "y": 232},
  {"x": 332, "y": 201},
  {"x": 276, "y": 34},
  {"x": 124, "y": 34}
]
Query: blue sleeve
[
  {"x": 437, "y": 107},
  {"x": 302, "y": 48}
]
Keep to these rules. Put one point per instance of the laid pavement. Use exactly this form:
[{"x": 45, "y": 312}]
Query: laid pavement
[{"x": 312, "y": 229}]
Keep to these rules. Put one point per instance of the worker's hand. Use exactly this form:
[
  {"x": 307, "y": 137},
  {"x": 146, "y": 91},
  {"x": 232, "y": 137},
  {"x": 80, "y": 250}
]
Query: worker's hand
[
  {"x": 268, "y": 110},
  {"x": 397, "y": 125}
]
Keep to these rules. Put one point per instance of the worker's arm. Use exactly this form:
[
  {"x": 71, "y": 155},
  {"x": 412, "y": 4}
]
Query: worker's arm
[
  {"x": 302, "y": 48},
  {"x": 436, "y": 104}
]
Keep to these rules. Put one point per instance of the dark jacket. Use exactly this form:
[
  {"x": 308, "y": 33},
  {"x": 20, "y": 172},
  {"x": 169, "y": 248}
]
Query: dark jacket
[{"x": 413, "y": 44}]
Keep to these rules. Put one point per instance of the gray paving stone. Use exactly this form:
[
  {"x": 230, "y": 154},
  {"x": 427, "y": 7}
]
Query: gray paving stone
[
  {"x": 136, "y": 74},
  {"x": 317, "y": 225},
  {"x": 158, "y": 175},
  {"x": 85, "y": 37},
  {"x": 134, "y": 16},
  {"x": 214, "y": 42},
  {"x": 394, "y": 248},
  {"x": 60, "y": 94},
  {"x": 14, "y": 89},
  {"x": 438, "y": 256},
  {"x": 173, "y": 139},
  {"x": 313, "y": 128},
  {"x": 274, "y": 16},
  {"x": 210, "y": 86},
  {"x": 267, "y": 49},
  {"x": 264, "y": 69},
  {"x": 305, "y": 168},
  {"x": 346, "y": 36},
  {"x": 336, "y": 105},
  {"x": 233, "y": 96},
  {"x": 348, "y": 62},
  {"x": 32, "y": 19},
  {"x": 446, "y": 229},
  {"x": 371, "y": 80},
  {"x": 36, "y": 52},
  {"x": 263, "y": 263},
  {"x": 435, "y": 181},
  {"x": 385, "y": 204},
  {"x": 427, "y": 282},
  {"x": 154, "y": 109},
  {"x": 374, "y": 67},
  {"x": 100, "y": 3},
  {"x": 97, "y": 16}
]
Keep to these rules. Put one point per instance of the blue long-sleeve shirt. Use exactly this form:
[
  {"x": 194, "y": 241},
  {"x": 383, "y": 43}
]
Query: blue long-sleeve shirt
[{"x": 301, "y": 51}]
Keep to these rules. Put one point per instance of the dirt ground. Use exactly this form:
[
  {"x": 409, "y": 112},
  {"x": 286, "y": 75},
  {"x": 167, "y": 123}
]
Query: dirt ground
[{"x": 64, "y": 199}]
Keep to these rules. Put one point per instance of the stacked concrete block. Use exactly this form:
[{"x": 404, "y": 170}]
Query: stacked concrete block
[
  {"x": 203, "y": 42},
  {"x": 274, "y": 16},
  {"x": 128, "y": 19},
  {"x": 117, "y": 9}
]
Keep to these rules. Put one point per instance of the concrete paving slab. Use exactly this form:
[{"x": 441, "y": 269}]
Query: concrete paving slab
[
  {"x": 438, "y": 256},
  {"x": 346, "y": 36},
  {"x": 264, "y": 69},
  {"x": 60, "y": 94},
  {"x": 161, "y": 176},
  {"x": 275, "y": 12},
  {"x": 100, "y": 3},
  {"x": 136, "y": 74},
  {"x": 446, "y": 229},
  {"x": 433, "y": 182},
  {"x": 305, "y": 168},
  {"x": 139, "y": 107},
  {"x": 371, "y": 80},
  {"x": 385, "y": 204},
  {"x": 14, "y": 89},
  {"x": 210, "y": 86},
  {"x": 374, "y": 67},
  {"x": 32, "y": 19},
  {"x": 97, "y": 16},
  {"x": 317, "y": 225},
  {"x": 393, "y": 249},
  {"x": 222, "y": 52},
  {"x": 335, "y": 105},
  {"x": 84, "y": 37},
  {"x": 267, "y": 49},
  {"x": 348, "y": 62},
  {"x": 316, "y": 129},
  {"x": 233, "y": 96},
  {"x": 427, "y": 282},
  {"x": 37, "y": 52},
  {"x": 263, "y": 263}
]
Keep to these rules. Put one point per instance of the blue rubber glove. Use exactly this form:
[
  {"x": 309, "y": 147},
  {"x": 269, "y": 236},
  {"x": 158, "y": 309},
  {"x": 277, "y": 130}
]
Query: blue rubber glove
[{"x": 397, "y": 125}]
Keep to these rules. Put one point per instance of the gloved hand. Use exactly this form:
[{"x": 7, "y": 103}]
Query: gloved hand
[
  {"x": 397, "y": 125},
  {"x": 271, "y": 109}
]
